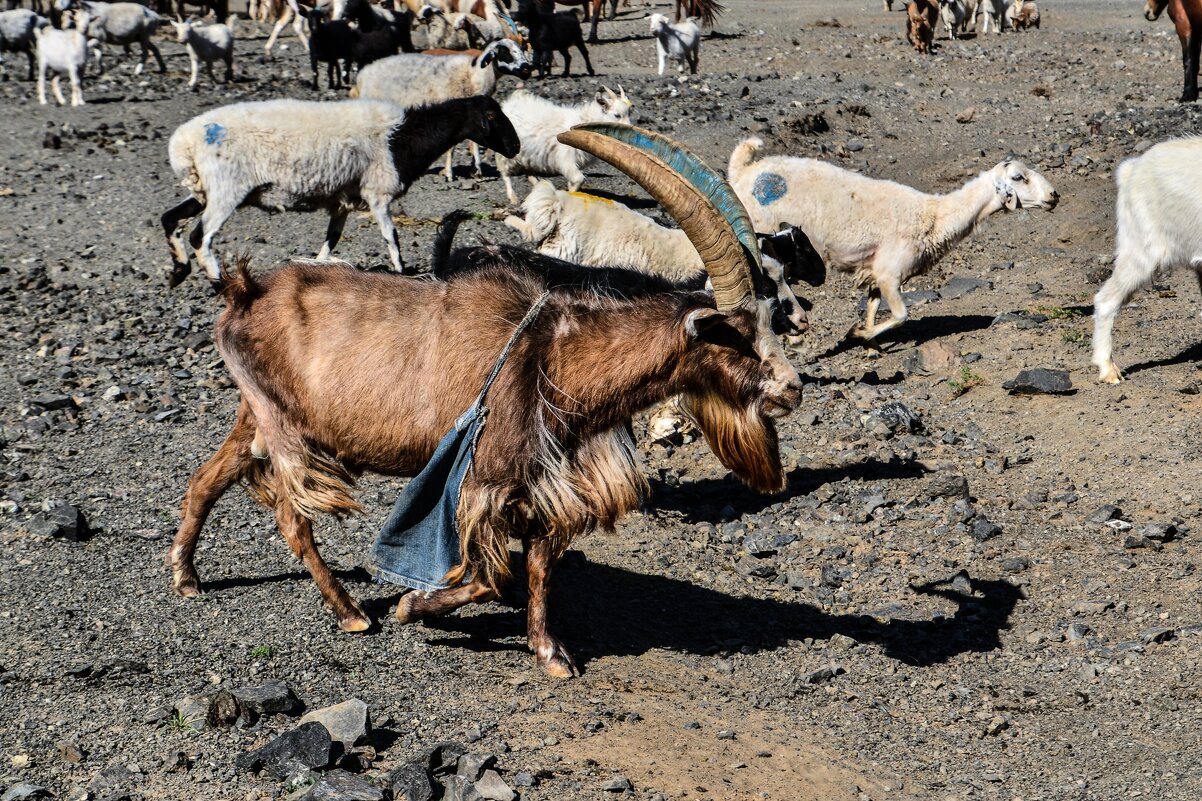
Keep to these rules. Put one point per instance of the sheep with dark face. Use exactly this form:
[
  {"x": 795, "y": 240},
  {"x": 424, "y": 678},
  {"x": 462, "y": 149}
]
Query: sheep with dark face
[{"x": 295, "y": 155}]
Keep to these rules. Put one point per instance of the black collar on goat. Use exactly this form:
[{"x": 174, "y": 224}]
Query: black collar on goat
[{"x": 342, "y": 372}]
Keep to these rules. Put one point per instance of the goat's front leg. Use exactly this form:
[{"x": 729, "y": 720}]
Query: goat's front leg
[
  {"x": 333, "y": 231},
  {"x": 298, "y": 531},
  {"x": 195, "y": 79},
  {"x": 419, "y": 605},
  {"x": 56, "y": 87},
  {"x": 548, "y": 651},
  {"x": 41, "y": 83},
  {"x": 379, "y": 209}
]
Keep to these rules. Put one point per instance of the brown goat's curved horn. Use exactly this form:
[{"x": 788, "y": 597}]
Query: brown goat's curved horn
[{"x": 649, "y": 159}]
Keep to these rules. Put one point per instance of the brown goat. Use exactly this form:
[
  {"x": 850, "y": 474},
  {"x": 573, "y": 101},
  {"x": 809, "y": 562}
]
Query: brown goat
[
  {"x": 342, "y": 372},
  {"x": 1187, "y": 18},
  {"x": 921, "y": 16},
  {"x": 1026, "y": 15}
]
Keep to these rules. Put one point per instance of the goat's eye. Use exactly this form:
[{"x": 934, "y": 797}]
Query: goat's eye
[
  {"x": 492, "y": 117},
  {"x": 1020, "y": 179}
]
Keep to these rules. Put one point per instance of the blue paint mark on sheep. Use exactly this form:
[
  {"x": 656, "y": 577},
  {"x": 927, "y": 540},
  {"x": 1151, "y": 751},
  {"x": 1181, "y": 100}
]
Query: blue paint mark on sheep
[
  {"x": 214, "y": 134},
  {"x": 769, "y": 188}
]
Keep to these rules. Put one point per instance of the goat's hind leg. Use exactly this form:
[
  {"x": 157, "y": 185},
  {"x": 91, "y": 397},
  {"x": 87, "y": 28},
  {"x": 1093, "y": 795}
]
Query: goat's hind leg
[
  {"x": 171, "y": 219},
  {"x": 584, "y": 52},
  {"x": 1132, "y": 270},
  {"x": 207, "y": 484},
  {"x": 379, "y": 210},
  {"x": 333, "y": 231}
]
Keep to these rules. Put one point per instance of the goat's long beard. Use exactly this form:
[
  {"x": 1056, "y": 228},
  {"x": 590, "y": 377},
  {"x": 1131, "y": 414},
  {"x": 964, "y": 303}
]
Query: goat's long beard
[{"x": 742, "y": 438}]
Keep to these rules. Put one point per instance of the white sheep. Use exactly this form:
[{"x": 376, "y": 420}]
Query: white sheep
[
  {"x": 1159, "y": 216},
  {"x": 597, "y": 232},
  {"x": 64, "y": 52},
  {"x": 538, "y": 121},
  {"x": 413, "y": 79},
  {"x": 124, "y": 24},
  {"x": 207, "y": 43},
  {"x": 17, "y": 34},
  {"x": 444, "y": 32},
  {"x": 995, "y": 14},
  {"x": 952, "y": 13},
  {"x": 296, "y": 155},
  {"x": 679, "y": 42},
  {"x": 882, "y": 231}
]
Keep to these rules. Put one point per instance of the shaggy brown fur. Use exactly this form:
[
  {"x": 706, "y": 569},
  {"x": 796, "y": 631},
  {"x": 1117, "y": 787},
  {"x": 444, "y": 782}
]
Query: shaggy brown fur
[
  {"x": 343, "y": 372},
  {"x": 921, "y": 16}
]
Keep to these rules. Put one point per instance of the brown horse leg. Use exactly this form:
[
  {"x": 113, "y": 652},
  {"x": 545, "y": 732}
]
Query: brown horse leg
[
  {"x": 298, "y": 531},
  {"x": 548, "y": 651},
  {"x": 204, "y": 488},
  {"x": 592, "y": 31},
  {"x": 420, "y": 605}
]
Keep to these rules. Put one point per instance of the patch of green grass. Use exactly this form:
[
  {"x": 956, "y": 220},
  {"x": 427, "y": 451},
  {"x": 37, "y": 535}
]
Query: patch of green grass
[
  {"x": 180, "y": 723},
  {"x": 964, "y": 382},
  {"x": 261, "y": 652},
  {"x": 1073, "y": 336},
  {"x": 1058, "y": 312}
]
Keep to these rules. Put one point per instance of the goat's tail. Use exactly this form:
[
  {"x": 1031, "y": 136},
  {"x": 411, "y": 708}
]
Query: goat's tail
[
  {"x": 445, "y": 237},
  {"x": 238, "y": 286},
  {"x": 707, "y": 11},
  {"x": 741, "y": 157}
]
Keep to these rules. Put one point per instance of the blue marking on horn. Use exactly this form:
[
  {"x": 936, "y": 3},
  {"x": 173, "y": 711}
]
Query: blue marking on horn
[{"x": 689, "y": 166}]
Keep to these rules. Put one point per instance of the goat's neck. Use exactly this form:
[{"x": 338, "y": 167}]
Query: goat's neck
[
  {"x": 421, "y": 139},
  {"x": 959, "y": 213},
  {"x": 609, "y": 364}
]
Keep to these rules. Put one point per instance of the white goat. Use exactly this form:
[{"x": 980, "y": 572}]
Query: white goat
[
  {"x": 124, "y": 24},
  {"x": 882, "y": 231},
  {"x": 208, "y": 43},
  {"x": 413, "y": 79},
  {"x": 296, "y": 155},
  {"x": 63, "y": 51},
  {"x": 953, "y": 13},
  {"x": 995, "y": 14},
  {"x": 17, "y": 29},
  {"x": 538, "y": 121},
  {"x": 971, "y": 9},
  {"x": 679, "y": 42},
  {"x": 597, "y": 232},
  {"x": 1159, "y": 228}
]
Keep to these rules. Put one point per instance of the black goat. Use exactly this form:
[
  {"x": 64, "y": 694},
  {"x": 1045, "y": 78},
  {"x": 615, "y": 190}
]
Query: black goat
[
  {"x": 381, "y": 41},
  {"x": 331, "y": 42},
  {"x": 551, "y": 32}
]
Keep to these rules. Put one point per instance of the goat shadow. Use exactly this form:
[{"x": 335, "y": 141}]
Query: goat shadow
[
  {"x": 694, "y": 500},
  {"x": 1192, "y": 354},
  {"x": 602, "y": 610},
  {"x": 916, "y": 331}
]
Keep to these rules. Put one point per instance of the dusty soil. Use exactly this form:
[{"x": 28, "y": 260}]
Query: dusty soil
[{"x": 1057, "y": 659}]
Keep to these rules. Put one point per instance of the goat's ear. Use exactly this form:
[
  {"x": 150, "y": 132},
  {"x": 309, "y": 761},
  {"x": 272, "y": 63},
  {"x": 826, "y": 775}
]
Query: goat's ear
[{"x": 698, "y": 321}]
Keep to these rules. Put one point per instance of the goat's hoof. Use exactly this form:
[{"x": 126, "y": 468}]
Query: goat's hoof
[
  {"x": 354, "y": 623},
  {"x": 1109, "y": 374},
  {"x": 178, "y": 273},
  {"x": 556, "y": 660},
  {"x": 187, "y": 586},
  {"x": 406, "y": 611}
]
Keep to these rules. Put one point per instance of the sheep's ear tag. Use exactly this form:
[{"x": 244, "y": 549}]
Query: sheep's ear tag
[
  {"x": 691, "y": 168},
  {"x": 1009, "y": 198}
]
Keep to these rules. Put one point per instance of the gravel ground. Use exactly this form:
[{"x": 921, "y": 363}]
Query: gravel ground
[{"x": 940, "y": 606}]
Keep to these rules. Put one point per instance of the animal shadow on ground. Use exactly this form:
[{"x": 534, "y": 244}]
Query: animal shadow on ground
[
  {"x": 601, "y": 610},
  {"x": 917, "y": 331},
  {"x": 694, "y": 500},
  {"x": 1190, "y": 355}
]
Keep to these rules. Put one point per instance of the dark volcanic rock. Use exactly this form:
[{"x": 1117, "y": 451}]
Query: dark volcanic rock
[
  {"x": 269, "y": 698},
  {"x": 948, "y": 485},
  {"x": 306, "y": 746},
  {"x": 25, "y": 792},
  {"x": 411, "y": 782},
  {"x": 960, "y": 286},
  {"x": 338, "y": 785},
  {"x": 60, "y": 520},
  {"x": 1040, "y": 381}
]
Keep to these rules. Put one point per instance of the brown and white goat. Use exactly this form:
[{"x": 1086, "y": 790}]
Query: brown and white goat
[{"x": 342, "y": 372}]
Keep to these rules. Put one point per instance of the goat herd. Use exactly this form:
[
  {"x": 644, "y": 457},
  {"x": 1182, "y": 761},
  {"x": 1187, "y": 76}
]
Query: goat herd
[
  {"x": 958, "y": 16},
  {"x": 342, "y": 371}
]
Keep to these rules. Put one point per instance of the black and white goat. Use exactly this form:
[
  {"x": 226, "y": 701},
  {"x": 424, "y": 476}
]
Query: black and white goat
[{"x": 296, "y": 155}]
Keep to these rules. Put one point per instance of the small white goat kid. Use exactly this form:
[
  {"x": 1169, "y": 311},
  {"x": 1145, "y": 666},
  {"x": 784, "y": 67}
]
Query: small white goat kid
[
  {"x": 64, "y": 52},
  {"x": 680, "y": 42},
  {"x": 538, "y": 121},
  {"x": 952, "y": 13},
  {"x": 207, "y": 43},
  {"x": 1159, "y": 228},
  {"x": 882, "y": 231}
]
